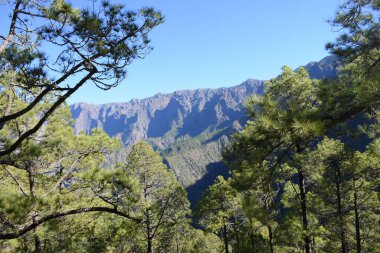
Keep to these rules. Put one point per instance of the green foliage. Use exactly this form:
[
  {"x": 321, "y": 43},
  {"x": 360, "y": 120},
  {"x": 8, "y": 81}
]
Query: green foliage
[
  {"x": 360, "y": 22},
  {"x": 358, "y": 87},
  {"x": 220, "y": 212},
  {"x": 162, "y": 203},
  {"x": 45, "y": 176},
  {"x": 325, "y": 194},
  {"x": 284, "y": 118}
]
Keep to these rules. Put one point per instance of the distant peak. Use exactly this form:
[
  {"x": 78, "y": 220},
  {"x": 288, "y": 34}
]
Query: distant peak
[{"x": 327, "y": 68}]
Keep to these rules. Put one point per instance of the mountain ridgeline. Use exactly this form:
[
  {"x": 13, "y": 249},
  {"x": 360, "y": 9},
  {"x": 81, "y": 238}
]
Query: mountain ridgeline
[{"x": 189, "y": 128}]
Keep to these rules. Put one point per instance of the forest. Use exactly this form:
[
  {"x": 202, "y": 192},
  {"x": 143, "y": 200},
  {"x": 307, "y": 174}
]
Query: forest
[{"x": 303, "y": 172}]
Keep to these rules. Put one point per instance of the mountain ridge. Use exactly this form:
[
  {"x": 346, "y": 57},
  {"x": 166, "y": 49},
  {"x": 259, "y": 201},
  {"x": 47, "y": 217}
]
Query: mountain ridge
[
  {"x": 136, "y": 100},
  {"x": 188, "y": 127},
  {"x": 155, "y": 116}
]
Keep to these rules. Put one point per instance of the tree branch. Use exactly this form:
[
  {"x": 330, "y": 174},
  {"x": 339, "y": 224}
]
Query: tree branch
[
  {"x": 41, "y": 96},
  {"x": 12, "y": 27},
  {"x": 14, "y": 179},
  {"x": 12, "y": 163},
  {"x": 163, "y": 212},
  {"x": 46, "y": 115},
  {"x": 37, "y": 222}
]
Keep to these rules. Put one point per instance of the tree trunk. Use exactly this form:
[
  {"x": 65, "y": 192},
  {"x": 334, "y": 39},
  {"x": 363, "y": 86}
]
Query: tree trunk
[
  {"x": 340, "y": 212},
  {"x": 357, "y": 222},
  {"x": 150, "y": 245},
  {"x": 237, "y": 243},
  {"x": 225, "y": 237},
  {"x": 252, "y": 242},
  {"x": 37, "y": 244},
  {"x": 271, "y": 243},
  {"x": 305, "y": 221},
  {"x": 236, "y": 237},
  {"x": 37, "y": 241},
  {"x": 149, "y": 233}
]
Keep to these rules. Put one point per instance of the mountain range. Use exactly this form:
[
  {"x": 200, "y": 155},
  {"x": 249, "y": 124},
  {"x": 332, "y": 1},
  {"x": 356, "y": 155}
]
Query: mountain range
[{"x": 189, "y": 127}]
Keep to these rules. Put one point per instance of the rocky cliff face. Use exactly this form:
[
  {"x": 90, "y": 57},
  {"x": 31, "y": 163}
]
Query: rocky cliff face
[
  {"x": 167, "y": 117},
  {"x": 188, "y": 127}
]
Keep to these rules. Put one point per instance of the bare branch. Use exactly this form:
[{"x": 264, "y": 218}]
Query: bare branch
[{"x": 12, "y": 27}]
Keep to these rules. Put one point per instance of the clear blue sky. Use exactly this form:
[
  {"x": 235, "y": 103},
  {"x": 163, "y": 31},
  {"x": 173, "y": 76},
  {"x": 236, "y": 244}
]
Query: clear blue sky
[{"x": 215, "y": 43}]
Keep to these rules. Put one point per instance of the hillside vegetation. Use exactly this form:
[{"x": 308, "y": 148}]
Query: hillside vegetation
[{"x": 287, "y": 165}]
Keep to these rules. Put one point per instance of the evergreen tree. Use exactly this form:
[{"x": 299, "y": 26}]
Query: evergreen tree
[
  {"x": 285, "y": 122},
  {"x": 39, "y": 154},
  {"x": 357, "y": 90},
  {"x": 43, "y": 180},
  {"x": 162, "y": 203},
  {"x": 91, "y": 45},
  {"x": 219, "y": 212}
]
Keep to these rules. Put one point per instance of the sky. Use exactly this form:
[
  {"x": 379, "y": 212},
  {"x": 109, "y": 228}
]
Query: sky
[{"x": 220, "y": 43}]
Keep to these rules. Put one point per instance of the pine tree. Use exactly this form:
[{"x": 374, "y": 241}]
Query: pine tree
[
  {"x": 162, "y": 202},
  {"x": 284, "y": 123},
  {"x": 219, "y": 212}
]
